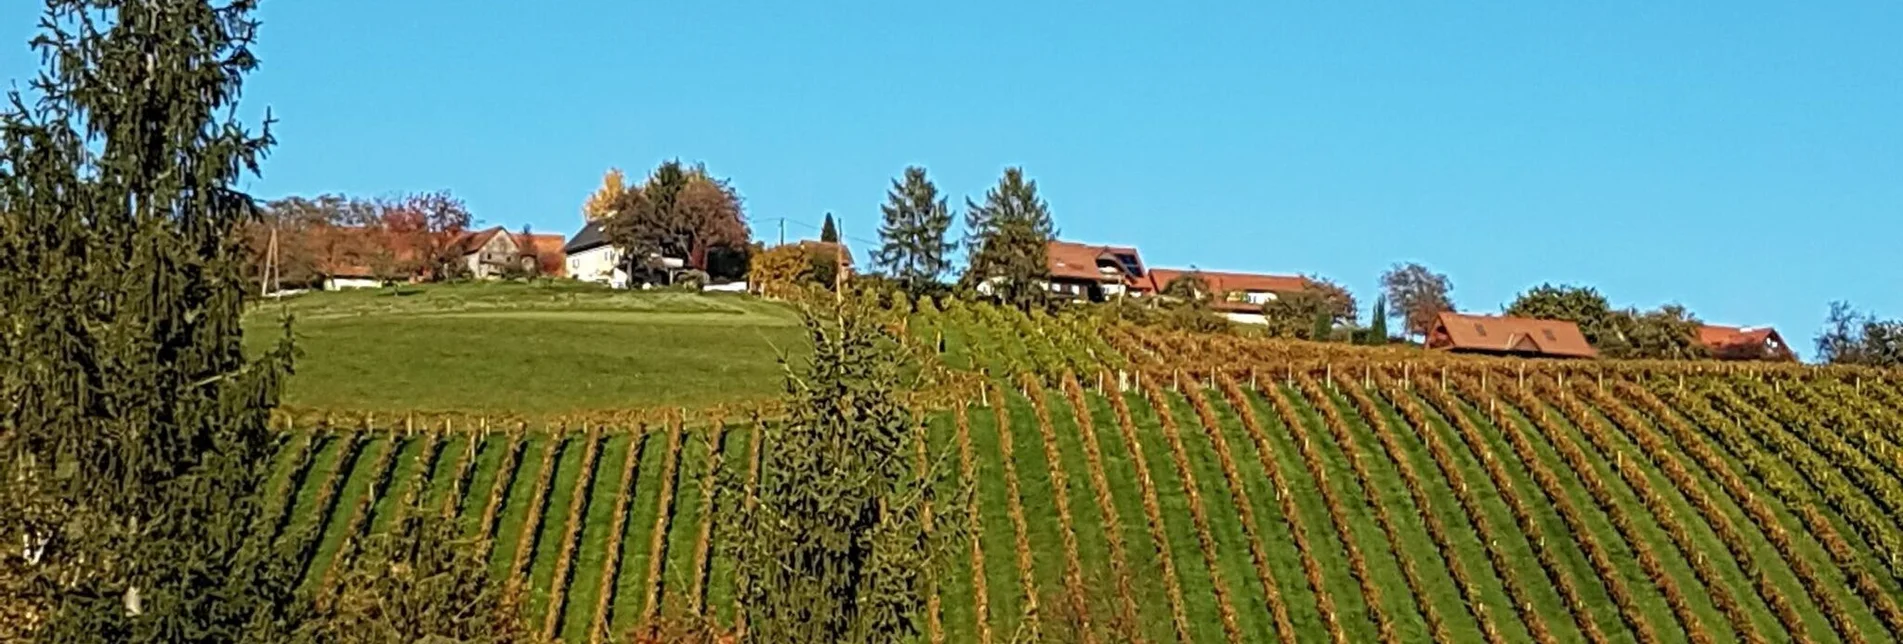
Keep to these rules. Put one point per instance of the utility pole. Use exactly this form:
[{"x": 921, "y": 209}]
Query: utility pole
[
  {"x": 782, "y": 231},
  {"x": 266, "y": 280}
]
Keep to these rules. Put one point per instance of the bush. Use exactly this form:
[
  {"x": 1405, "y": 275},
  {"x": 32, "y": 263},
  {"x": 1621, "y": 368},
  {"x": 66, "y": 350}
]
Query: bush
[{"x": 690, "y": 280}]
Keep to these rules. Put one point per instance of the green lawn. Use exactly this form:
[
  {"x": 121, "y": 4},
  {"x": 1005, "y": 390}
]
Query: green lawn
[{"x": 537, "y": 350}]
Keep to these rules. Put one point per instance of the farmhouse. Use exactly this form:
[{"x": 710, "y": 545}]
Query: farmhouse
[
  {"x": 592, "y": 258},
  {"x": 1094, "y": 273},
  {"x": 1745, "y": 343},
  {"x": 354, "y": 255},
  {"x": 1238, "y": 296},
  {"x": 1508, "y": 336}
]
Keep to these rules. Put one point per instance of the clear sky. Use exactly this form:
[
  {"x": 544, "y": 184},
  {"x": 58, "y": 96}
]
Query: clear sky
[{"x": 1744, "y": 159}]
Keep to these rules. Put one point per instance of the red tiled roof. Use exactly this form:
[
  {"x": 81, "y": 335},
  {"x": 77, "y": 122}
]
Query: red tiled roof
[
  {"x": 1501, "y": 334},
  {"x": 1222, "y": 282},
  {"x": 1071, "y": 260},
  {"x": 1730, "y": 342}
]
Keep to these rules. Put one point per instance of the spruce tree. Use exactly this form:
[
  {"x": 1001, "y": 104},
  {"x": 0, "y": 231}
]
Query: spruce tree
[
  {"x": 136, "y": 431},
  {"x": 834, "y": 546},
  {"x": 828, "y": 232},
  {"x": 1378, "y": 329},
  {"x": 915, "y": 250},
  {"x": 1008, "y": 238}
]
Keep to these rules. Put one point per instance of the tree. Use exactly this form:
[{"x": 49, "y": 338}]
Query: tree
[
  {"x": 1582, "y": 305},
  {"x": 678, "y": 212},
  {"x": 780, "y": 271},
  {"x": 828, "y": 232},
  {"x": 136, "y": 439},
  {"x": 603, "y": 201},
  {"x": 914, "y": 248},
  {"x": 1854, "y": 338},
  {"x": 1008, "y": 238},
  {"x": 424, "y": 233},
  {"x": 1669, "y": 332},
  {"x": 1311, "y": 313},
  {"x": 1378, "y": 322},
  {"x": 418, "y": 580},
  {"x": 833, "y": 548},
  {"x": 1418, "y": 296}
]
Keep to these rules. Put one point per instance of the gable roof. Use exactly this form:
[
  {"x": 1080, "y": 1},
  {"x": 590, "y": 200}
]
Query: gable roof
[
  {"x": 1730, "y": 342},
  {"x": 1072, "y": 260},
  {"x": 1224, "y": 282},
  {"x": 591, "y": 236},
  {"x": 1502, "y": 334}
]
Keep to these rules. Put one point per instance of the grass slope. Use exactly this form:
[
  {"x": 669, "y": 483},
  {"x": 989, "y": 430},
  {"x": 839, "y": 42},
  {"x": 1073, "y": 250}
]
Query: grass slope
[{"x": 536, "y": 350}]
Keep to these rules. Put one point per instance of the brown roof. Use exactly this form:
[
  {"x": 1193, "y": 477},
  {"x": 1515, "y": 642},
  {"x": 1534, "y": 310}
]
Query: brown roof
[
  {"x": 1509, "y": 335},
  {"x": 1072, "y": 260},
  {"x": 1743, "y": 343}
]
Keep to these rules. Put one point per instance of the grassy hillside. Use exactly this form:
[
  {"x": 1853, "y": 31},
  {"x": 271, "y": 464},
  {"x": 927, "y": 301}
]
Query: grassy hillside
[
  {"x": 1365, "y": 507},
  {"x": 535, "y": 350}
]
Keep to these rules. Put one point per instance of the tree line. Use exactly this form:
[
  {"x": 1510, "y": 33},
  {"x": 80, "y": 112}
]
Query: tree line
[{"x": 299, "y": 242}]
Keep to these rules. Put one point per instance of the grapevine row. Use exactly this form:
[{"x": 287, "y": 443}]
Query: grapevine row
[
  {"x": 1859, "y": 421},
  {"x": 1654, "y": 450},
  {"x": 1766, "y": 467},
  {"x": 1517, "y": 591},
  {"x": 1197, "y": 513},
  {"x": 968, "y": 470},
  {"x": 518, "y": 571},
  {"x": 1598, "y": 555},
  {"x": 1800, "y": 416},
  {"x": 751, "y": 484},
  {"x": 1060, "y": 492},
  {"x": 1014, "y": 503},
  {"x": 326, "y": 499},
  {"x": 1100, "y": 486},
  {"x": 279, "y": 517},
  {"x": 1239, "y": 495},
  {"x": 1417, "y": 492},
  {"x": 1153, "y": 512},
  {"x": 1546, "y": 553},
  {"x": 934, "y": 625},
  {"x": 571, "y": 537},
  {"x": 703, "y": 539},
  {"x": 1337, "y": 514},
  {"x": 1338, "y": 427},
  {"x": 360, "y": 517},
  {"x": 617, "y": 532},
  {"x": 1265, "y": 454},
  {"x": 663, "y": 518},
  {"x": 499, "y": 490}
]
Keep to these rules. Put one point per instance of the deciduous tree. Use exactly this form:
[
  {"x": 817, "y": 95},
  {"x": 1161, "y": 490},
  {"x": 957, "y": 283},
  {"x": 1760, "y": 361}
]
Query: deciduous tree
[
  {"x": 678, "y": 212},
  {"x": 1008, "y": 237},
  {"x": 1417, "y": 295},
  {"x": 603, "y": 201},
  {"x": 915, "y": 249},
  {"x": 136, "y": 440},
  {"x": 1311, "y": 313}
]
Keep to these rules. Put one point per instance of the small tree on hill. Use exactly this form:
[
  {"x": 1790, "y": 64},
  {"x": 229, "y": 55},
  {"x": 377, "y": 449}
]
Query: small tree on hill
[
  {"x": 603, "y": 201},
  {"x": 829, "y": 232},
  {"x": 679, "y": 211},
  {"x": 1418, "y": 296},
  {"x": 1190, "y": 287},
  {"x": 1008, "y": 237},
  {"x": 1850, "y": 337},
  {"x": 1581, "y": 305},
  {"x": 834, "y": 546},
  {"x": 915, "y": 250},
  {"x": 1378, "y": 322}
]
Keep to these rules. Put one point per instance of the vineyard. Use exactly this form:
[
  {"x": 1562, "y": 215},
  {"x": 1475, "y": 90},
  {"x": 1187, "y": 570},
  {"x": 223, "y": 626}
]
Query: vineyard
[{"x": 1136, "y": 484}]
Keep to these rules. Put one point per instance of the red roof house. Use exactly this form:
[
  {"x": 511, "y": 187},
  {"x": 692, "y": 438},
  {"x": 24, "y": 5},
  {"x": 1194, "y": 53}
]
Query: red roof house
[
  {"x": 1744, "y": 343},
  {"x": 1509, "y": 336},
  {"x": 1234, "y": 292}
]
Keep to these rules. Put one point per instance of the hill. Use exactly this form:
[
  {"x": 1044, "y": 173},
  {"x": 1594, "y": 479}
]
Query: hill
[
  {"x": 1241, "y": 490},
  {"x": 530, "y": 350}
]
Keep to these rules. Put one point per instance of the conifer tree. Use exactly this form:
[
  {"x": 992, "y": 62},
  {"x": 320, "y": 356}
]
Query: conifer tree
[
  {"x": 1378, "y": 328},
  {"x": 136, "y": 435},
  {"x": 1008, "y": 237},
  {"x": 834, "y": 546},
  {"x": 828, "y": 232},
  {"x": 915, "y": 250}
]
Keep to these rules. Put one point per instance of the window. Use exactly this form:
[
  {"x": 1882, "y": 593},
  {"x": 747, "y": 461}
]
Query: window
[
  {"x": 1480, "y": 329},
  {"x": 1549, "y": 335}
]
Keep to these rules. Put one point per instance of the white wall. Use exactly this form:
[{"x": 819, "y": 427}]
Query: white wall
[
  {"x": 1246, "y": 318},
  {"x": 341, "y": 283},
  {"x": 598, "y": 264}
]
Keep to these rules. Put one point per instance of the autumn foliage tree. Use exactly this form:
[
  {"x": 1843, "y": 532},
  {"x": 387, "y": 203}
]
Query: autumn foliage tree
[
  {"x": 1416, "y": 296},
  {"x": 679, "y": 211},
  {"x": 603, "y": 201}
]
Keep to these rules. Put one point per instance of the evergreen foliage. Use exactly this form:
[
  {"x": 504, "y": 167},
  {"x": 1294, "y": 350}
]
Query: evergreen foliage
[
  {"x": 834, "y": 547},
  {"x": 915, "y": 249},
  {"x": 1008, "y": 238},
  {"x": 1378, "y": 322},
  {"x": 829, "y": 232},
  {"x": 136, "y": 430}
]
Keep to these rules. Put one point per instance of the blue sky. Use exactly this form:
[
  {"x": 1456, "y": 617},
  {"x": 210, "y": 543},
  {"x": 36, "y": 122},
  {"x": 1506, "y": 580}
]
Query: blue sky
[{"x": 1744, "y": 159}]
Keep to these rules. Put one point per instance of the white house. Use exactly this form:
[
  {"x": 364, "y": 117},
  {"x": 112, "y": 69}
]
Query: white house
[{"x": 591, "y": 258}]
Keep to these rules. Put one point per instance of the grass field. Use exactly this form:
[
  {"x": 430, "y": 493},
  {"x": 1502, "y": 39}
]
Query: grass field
[
  {"x": 1712, "y": 508},
  {"x": 535, "y": 350}
]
